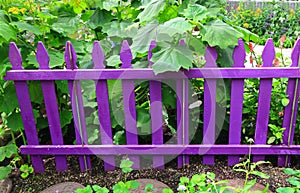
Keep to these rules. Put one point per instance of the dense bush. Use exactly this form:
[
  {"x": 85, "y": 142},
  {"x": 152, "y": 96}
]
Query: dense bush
[{"x": 275, "y": 20}]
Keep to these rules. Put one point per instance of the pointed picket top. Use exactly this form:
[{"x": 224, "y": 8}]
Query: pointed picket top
[
  {"x": 296, "y": 54},
  {"x": 211, "y": 56},
  {"x": 182, "y": 43},
  {"x": 152, "y": 46},
  {"x": 239, "y": 55},
  {"x": 98, "y": 56},
  {"x": 268, "y": 54},
  {"x": 15, "y": 57},
  {"x": 70, "y": 56},
  {"x": 126, "y": 55},
  {"x": 42, "y": 56}
]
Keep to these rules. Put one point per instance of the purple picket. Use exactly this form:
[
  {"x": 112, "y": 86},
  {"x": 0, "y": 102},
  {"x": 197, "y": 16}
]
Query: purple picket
[
  {"x": 290, "y": 111},
  {"x": 264, "y": 99},
  {"x": 103, "y": 106},
  {"x": 48, "y": 88},
  {"x": 129, "y": 103},
  {"x": 77, "y": 106},
  {"x": 236, "y": 101},
  {"x": 182, "y": 115},
  {"x": 23, "y": 96},
  {"x": 156, "y": 113},
  {"x": 209, "y": 116}
]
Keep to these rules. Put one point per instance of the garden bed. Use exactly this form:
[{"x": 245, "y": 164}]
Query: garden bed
[{"x": 169, "y": 176}]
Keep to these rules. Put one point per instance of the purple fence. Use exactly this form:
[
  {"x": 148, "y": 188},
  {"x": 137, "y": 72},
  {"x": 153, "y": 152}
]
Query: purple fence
[{"x": 127, "y": 74}]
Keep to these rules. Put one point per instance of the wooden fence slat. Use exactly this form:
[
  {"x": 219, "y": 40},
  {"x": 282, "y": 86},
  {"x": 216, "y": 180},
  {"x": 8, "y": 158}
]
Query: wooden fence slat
[
  {"x": 209, "y": 116},
  {"x": 23, "y": 96},
  {"x": 77, "y": 106},
  {"x": 236, "y": 101},
  {"x": 48, "y": 88},
  {"x": 103, "y": 106},
  {"x": 264, "y": 99},
  {"x": 290, "y": 112},
  {"x": 156, "y": 113},
  {"x": 129, "y": 103}
]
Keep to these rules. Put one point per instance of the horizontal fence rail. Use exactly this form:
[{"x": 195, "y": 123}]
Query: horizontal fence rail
[{"x": 128, "y": 76}]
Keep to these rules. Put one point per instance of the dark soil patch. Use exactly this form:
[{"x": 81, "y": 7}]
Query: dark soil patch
[{"x": 170, "y": 175}]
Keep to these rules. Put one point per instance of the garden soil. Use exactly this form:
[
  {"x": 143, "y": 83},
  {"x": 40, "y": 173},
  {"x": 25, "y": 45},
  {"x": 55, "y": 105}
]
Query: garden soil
[{"x": 170, "y": 175}]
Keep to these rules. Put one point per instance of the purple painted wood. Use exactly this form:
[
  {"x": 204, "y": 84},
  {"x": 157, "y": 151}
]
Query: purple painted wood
[
  {"x": 129, "y": 74},
  {"x": 23, "y": 96},
  {"x": 156, "y": 113},
  {"x": 236, "y": 102},
  {"x": 129, "y": 103},
  {"x": 209, "y": 115},
  {"x": 160, "y": 149},
  {"x": 182, "y": 115},
  {"x": 103, "y": 106},
  {"x": 290, "y": 112},
  {"x": 264, "y": 99},
  {"x": 77, "y": 106},
  {"x": 48, "y": 88}
]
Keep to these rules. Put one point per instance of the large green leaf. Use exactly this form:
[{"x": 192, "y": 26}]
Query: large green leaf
[
  {"x": 218, "y": 33},
  {"x": 14, "y": 122},
  {"x": 195, "y": 12},
  {"x": 109, "y": 4},
  {"x": 121, "y": 29},
  {"x": 248, "y": 35},
  {"x": 99, "y": 18},
  {"x": 8, "y": 101},
  {"x": 177, "y": 25},
  {"x": 151, "y": 10},
  {"x": 23, "y": 26},
  {"x": 4, "y": 171},
  {"x": 145, "y": 35},
  {"x": 7, "y": 32},
  {"x": 171, "y": 58}
]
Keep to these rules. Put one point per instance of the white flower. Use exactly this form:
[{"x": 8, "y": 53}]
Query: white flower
[
  {"x": 181, "y": 188},
  {"x": 281, "y": 19}
]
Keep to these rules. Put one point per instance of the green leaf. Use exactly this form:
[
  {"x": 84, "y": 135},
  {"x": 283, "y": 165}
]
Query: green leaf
[
  {"x": 14, "y": 122},
  {"x": 248, "y": 185},
  {"x": 151, "y": 10},
  {"x": 218, "y": 33},
  {"x": 113, "y": 61},
  {"x": 65, "y": 117},
  {"x": 285, "y": 101},
  {"x": 184, "y": 180},
  {"x": 168, "y": 13},
  {"x": 285, "y": 190},
  {"x": 271, "y": 140},
  {"x": 290, "y": 171},
  {"x": 171, "y": 58},
  {"x": 260, "y": 174},
  {"x": 248, "y": 35},
  {"x": 99, "y": 18},
  {"x": 23, "y": 26},
  {"x": 56, "y": 59},
  {"x": 109, "y": 4},
  {"x": 7, "y": 32},
  {"x": 93, "y": 134},
  {"x": 121, "y": 29},
  {"x": 195, "y": 12},
  {"x": 126, "y": 163},
  {"x": 225, "y": 57},
  {"x": 294, "y": 181},
  {"x": 4, "y": 171},
  {"x": 134, "y": 184},
  {"x": 9, "y": 100},
  {"x": 167, "y": 190},
  {"x": 145, "y": 35},
  {"x": 197, "y": 45},
  {"x": 35, "y": 91},
  {"x": 178, "y": 25}
]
